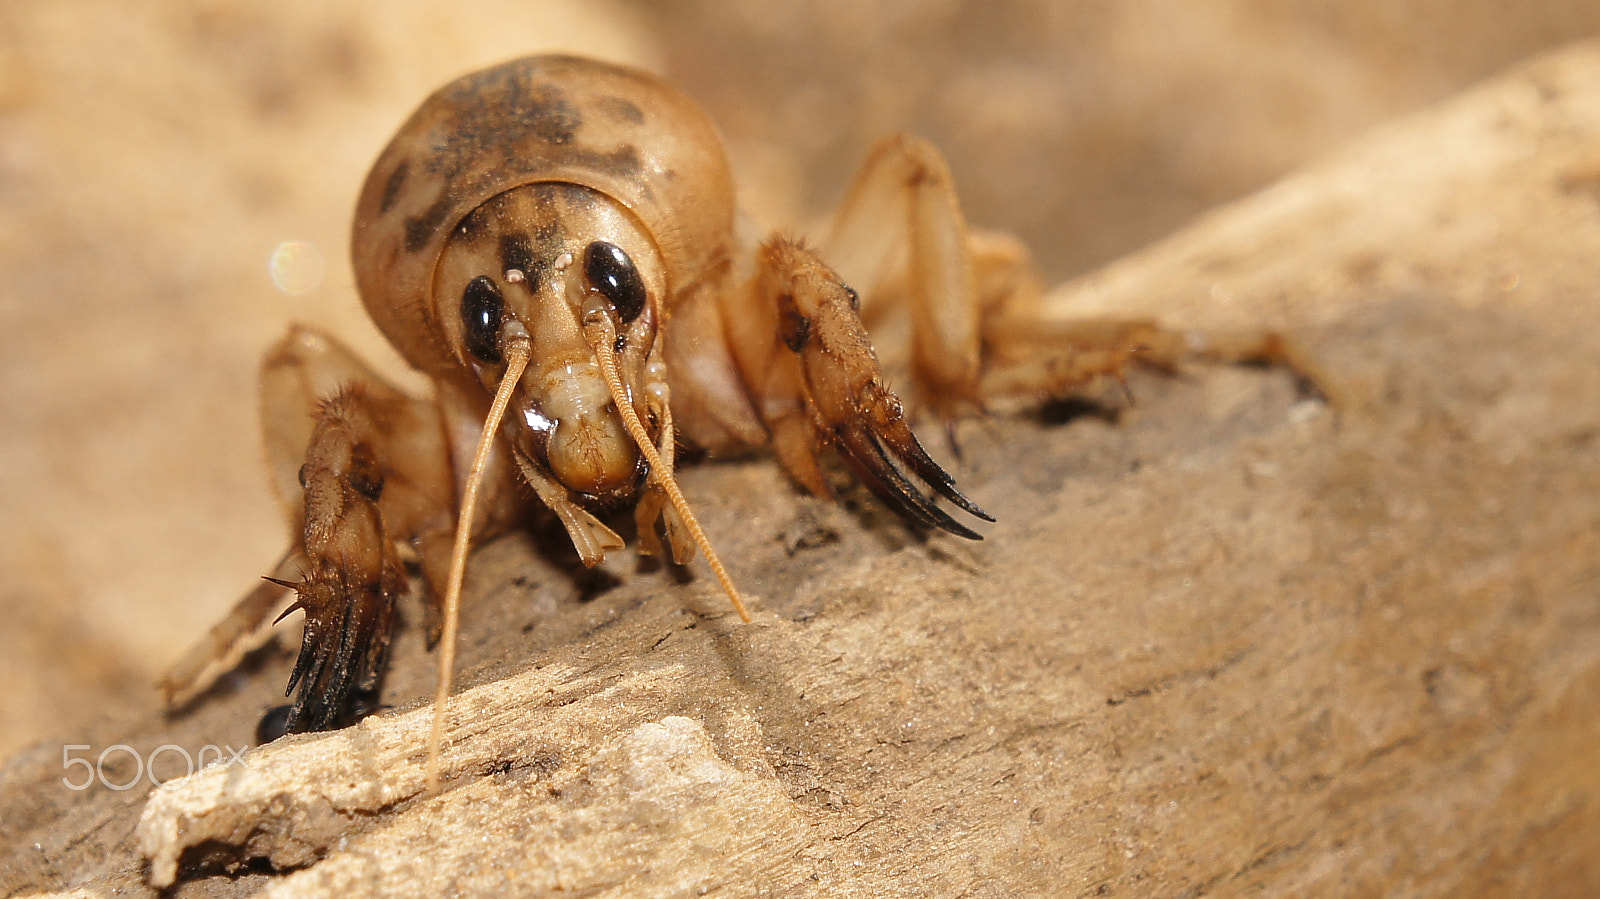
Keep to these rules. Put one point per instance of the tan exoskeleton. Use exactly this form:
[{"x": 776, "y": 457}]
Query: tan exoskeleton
[{"x": 557, "y": 237}]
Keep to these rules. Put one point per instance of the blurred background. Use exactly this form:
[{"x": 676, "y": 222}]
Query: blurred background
[{"x": 176, "y": 181}]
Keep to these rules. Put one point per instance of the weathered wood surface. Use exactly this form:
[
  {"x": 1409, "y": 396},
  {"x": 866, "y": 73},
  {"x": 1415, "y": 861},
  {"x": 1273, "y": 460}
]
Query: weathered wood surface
[{"x": 1231, "y": 642}]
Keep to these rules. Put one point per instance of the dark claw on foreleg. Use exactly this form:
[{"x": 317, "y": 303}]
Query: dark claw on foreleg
[
  {"x": 351, "y": 578},
  {"x": 346, "y": 643},
  {"x": 872, "y": 450},
  {"x": 872, "y": 466},
  {"x": 849, "y": 403}
]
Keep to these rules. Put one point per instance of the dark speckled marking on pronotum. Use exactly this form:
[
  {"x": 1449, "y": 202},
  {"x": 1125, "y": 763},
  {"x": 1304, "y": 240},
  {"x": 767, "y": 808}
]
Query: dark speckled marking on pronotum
[
  {"x": 622, "y": 162},
  {"x": 520, "y": 114},
  {"x": 622, "y": 110},
  {"x": 519, "y": 109},
  {"x": 421, "y": 228},
  {"x": 391, "y": 187}
]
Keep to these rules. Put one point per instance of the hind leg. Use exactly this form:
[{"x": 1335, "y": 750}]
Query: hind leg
[{"x": 972, "y": 301}]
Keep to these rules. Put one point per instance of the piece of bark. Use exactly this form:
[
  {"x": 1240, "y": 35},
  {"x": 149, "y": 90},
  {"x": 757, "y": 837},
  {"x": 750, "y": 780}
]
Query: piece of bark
[
  {"x": 1231, "y": 642},
  {"x": 604, "y": 804}
]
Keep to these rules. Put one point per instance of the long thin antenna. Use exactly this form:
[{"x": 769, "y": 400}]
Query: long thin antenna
[
  {"x": 602, "y": 337},
  {"x": 518, "y": 350}
]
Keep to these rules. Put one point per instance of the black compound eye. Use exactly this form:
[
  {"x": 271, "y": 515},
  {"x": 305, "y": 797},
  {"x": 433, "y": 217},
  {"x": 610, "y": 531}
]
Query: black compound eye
[
  {"x": 482, "y": 308},
  {"x": 612, "y": 273}
]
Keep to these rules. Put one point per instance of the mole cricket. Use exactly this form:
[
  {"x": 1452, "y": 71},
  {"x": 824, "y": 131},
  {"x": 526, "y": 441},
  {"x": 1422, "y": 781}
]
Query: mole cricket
[{"x": 555, "y": 243}]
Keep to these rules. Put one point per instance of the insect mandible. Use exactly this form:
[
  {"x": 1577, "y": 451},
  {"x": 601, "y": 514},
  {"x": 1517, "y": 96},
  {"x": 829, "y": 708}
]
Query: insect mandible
[{"x": 554, "y": 242}]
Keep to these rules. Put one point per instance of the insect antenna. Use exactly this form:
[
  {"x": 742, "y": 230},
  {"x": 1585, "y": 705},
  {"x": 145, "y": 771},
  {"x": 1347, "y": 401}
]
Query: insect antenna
[
  {"x": 601, "y": 335},
  {"x": 518, "y": 350}
]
